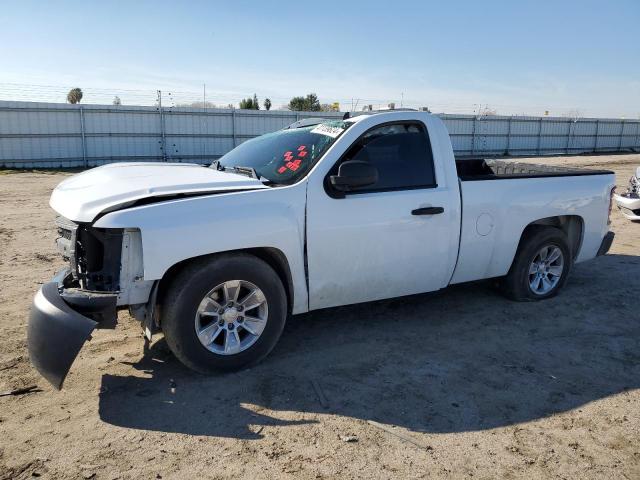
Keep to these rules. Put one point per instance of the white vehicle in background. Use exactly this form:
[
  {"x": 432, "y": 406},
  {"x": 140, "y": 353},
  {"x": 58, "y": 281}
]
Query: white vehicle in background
[
  {"x": 321, "y": 214},
  {"x": 629, "y": 202}
]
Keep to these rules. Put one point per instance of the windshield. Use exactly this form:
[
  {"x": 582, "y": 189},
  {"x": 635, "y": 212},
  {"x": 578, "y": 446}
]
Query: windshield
[{"x": 285, "y": 156}]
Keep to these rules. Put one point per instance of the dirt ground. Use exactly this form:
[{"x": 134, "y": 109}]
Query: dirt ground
[{"x": 462, "y": 383}]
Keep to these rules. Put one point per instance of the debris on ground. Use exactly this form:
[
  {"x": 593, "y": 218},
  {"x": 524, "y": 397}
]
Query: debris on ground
[
  {"x": 400, "y": 435},
  {"x": 20, "y": 391},
  {"x": 320, "y": 394}
]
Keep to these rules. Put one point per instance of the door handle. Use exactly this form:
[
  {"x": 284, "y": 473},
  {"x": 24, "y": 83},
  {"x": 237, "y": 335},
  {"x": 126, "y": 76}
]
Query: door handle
[{"x": 427, "y": 211}]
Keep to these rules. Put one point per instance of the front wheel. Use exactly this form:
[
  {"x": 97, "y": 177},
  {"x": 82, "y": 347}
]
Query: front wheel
[
  {"x": 541, "y": 266},
  {"x": 224, "y": 313}
]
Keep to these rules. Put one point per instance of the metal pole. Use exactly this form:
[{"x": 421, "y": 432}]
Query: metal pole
[
  {"x": 539, "y": 136},
  {"x": 85, "y": 161},
  {"x": 569, "y": 122},
  {"x": 621, "y": 135},
  {"x": 595, "y": 147},
  {"x": 233, "y": 126},
  {"x": 203, "y": 122},
  {"x": 163, "y": 144},
  {"x": 509, "y": 135},
  {"x": 473, "y": 136}
]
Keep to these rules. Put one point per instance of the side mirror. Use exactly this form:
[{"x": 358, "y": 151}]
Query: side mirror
[{"x": 353, "y": 174}]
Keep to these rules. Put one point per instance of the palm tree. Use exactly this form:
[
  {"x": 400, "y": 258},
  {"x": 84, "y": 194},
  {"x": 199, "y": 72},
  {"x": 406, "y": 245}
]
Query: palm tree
[{"x": 74, "y": 95}]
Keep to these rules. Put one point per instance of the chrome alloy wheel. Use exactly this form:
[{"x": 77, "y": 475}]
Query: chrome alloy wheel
[
  {"x": 546, "y": 269},
  {"x": 231, "y": 317}
]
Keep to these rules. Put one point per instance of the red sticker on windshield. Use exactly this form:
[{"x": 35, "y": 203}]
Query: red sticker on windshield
[{"x": 291, "y": 164}]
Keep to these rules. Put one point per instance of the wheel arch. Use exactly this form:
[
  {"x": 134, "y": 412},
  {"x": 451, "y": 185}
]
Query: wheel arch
[
  {"x": 571, "y": 225},
  {"x": 273, "y": 257}
]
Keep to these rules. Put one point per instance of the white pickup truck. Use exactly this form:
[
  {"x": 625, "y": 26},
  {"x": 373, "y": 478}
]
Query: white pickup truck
[{"x": 320, "y": 214}]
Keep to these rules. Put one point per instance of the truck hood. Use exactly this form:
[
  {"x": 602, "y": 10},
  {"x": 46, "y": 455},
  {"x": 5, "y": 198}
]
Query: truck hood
[{"x": 83, "y": 197}]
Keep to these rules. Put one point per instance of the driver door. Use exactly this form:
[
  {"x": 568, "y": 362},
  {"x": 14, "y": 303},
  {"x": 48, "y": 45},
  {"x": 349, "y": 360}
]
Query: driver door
[{"x": 379, "y": 241}]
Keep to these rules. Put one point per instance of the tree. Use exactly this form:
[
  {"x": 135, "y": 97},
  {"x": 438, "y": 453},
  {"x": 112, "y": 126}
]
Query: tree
[
  {"x": 574, "y": 113},
  {"x": 310, "y": 103},
  {"x": 250, "y": 103},
  {"x": 199, "y": 104},
  {"x": 485, "y": 110},
  {"x": 74, "y": 96},
  {"x": 246, "y": 104},
  {"x": 488, "y": 112},
  {"x": 267, "y": 104},
  {"x": 117, "y": 101},
  {"x": 297, "y": 104}
]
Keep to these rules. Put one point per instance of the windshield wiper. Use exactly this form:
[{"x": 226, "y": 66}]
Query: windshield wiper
[
  {"x": 217, "y": 165},
  {"x": 247, "y": 171}
]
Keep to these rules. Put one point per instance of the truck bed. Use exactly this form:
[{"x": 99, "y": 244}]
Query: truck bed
[
  {"x": 495, "y": 213},
  {"x": 481, "y": 169}
]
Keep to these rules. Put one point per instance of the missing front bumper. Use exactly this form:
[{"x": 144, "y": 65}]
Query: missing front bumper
[{"x": 59, "y": 324}]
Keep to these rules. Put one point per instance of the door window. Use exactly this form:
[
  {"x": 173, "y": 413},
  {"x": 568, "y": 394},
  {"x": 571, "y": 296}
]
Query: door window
[{"x": 402, "y": 154}]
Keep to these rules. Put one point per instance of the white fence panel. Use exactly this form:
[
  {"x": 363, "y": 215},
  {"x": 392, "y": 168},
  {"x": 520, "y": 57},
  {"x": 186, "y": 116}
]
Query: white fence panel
[{"x": 61, "y": 135}]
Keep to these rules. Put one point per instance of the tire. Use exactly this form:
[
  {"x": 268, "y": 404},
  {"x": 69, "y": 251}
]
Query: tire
[
  {"x": 188, "y": 292},
  {"x": 517, "y": 285}
]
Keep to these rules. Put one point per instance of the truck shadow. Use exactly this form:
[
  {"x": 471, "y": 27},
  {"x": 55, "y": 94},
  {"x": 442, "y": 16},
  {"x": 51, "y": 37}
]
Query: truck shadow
[{"x": 464, "y": 359}]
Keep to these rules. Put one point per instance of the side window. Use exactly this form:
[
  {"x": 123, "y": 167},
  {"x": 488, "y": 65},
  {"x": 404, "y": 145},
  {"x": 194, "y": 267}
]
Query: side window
[{"x": 401, "y": 153}]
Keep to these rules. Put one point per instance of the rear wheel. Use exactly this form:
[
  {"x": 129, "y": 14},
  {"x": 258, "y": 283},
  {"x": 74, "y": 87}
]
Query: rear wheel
[
  {"x": 224, "y": 313},
  {"x": 541, "y": 266}
]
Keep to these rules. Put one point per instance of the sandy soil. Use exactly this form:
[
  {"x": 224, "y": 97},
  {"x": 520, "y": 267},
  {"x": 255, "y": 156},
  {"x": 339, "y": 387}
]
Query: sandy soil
[{"x": 462, "y": 383}]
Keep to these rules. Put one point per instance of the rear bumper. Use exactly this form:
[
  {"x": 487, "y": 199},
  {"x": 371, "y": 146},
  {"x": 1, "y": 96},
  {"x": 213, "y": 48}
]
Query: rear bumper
[
  {"x": 60, "y": 323},
  {"x": 606, "y": 244}
]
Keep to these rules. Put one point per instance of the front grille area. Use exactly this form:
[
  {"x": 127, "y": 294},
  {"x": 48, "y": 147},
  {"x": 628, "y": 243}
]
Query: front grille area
[
  {"x": 93, "y": 254},
  {"x": 98, "y": 253},
  {"x": 634, "y": 186}
]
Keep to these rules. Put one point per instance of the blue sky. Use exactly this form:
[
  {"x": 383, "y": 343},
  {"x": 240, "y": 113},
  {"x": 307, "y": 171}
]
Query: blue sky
[{"x": 515, "y": 56}]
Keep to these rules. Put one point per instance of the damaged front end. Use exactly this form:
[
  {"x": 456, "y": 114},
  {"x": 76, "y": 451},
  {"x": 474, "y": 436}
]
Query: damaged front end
[
  {"x": 105, "y": 271},
  {"x": 629, "y": 202}
]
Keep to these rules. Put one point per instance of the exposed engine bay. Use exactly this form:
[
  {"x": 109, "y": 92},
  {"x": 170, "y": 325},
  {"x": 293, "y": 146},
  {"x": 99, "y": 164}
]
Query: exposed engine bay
[
  {"x": 629, "y": 202},
  {"x": 103, "y": 261}
]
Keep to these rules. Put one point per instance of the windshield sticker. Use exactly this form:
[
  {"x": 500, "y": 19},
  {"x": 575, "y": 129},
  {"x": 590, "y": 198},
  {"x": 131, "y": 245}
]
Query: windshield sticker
[
  {"x": 328, "y": 130},
  {"x": 291, "y": 164}
]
